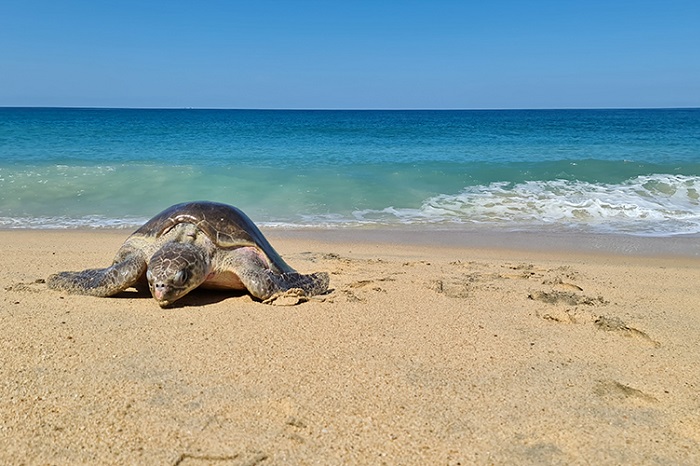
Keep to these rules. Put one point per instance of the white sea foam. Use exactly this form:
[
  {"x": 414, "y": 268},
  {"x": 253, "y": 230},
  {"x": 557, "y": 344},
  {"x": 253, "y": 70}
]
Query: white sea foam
[
  {"x": 655, "y": 205},
  {"x": 66, "y": 223},
  {"x": 646, "y": 205}
]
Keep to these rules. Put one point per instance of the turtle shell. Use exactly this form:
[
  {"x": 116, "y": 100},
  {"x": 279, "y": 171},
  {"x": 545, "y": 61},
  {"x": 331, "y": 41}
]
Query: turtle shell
[{"x": 227, "y": 226}]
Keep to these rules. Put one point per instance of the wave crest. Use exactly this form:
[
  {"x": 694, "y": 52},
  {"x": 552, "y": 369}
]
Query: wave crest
[{"x": 654, "y": 204}]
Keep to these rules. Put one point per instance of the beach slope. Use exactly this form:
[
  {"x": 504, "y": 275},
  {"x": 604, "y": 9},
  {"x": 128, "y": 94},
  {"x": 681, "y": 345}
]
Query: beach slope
[{"x": 420, "y": 354}]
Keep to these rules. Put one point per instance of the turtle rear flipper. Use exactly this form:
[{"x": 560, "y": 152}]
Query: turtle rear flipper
[{"x": 101, "y": 282}]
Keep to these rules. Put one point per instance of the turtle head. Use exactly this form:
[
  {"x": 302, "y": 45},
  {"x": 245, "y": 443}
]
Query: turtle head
[{"x": 175, "y": 270}]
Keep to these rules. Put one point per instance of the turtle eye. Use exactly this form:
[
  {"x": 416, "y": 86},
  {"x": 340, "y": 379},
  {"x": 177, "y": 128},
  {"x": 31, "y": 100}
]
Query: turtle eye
[
  {"x": 149, "y": 276},
  {"x": 181, "y": 277}
]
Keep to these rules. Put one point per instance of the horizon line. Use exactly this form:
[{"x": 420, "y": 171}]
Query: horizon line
[{"x": 88, "y": 107}]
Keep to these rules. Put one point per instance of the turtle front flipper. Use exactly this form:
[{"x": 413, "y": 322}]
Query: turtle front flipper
[
  {"x": 312, "y": 284},
  {"x": 101, "y": 282},
  {"x": 252, "y": 270},
  {"x": 264, "y": 283}
]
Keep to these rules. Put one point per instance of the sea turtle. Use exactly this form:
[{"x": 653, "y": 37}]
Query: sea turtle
[{"x": 189, "y": 245}]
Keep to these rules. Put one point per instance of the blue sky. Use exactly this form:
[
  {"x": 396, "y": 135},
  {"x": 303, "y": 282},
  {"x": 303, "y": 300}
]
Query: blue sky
[{"x": 350, "y": 53}]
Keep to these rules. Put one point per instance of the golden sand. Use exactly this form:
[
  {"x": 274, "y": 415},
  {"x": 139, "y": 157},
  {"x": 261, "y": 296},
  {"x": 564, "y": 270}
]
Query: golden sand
[{"x": 423, "y": 352}]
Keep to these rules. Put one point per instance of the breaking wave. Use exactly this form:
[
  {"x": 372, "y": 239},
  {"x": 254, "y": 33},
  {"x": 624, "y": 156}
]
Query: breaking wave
[{"x": 646, "y": 205}]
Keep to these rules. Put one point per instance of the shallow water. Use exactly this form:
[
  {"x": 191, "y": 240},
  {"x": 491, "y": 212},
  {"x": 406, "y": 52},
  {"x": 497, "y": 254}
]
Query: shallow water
[{"x": 609, "y": 171}]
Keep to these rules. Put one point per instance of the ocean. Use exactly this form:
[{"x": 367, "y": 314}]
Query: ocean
[{"x": 633, "y": 172}]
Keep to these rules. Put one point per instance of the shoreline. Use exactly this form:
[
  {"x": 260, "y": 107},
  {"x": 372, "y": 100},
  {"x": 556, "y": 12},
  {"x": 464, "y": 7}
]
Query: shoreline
[
  {"x": 686, "y": 246},
  {"x": 615, "y": 244},
  {"x": 425, "y": 351}
]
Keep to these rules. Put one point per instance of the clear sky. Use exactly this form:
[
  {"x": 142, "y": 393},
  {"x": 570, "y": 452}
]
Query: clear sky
[{"x": 350, "y": 53}]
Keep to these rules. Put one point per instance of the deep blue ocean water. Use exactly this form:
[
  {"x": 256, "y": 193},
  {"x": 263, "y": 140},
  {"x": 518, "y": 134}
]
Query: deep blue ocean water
[{"x": 610, "y": 171}]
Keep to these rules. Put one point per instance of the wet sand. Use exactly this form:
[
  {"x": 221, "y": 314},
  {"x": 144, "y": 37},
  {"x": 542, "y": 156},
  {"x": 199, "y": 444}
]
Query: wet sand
[{"x": 429, "y": 349}]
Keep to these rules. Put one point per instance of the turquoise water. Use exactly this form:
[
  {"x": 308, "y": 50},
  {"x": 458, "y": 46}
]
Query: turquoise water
[{"x": 614, "y": 171}]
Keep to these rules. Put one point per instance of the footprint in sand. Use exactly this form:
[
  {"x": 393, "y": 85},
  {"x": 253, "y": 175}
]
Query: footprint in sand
[
  {"x": 578, "y": 315},
  {"x": 559, "y": 283},
  {"x": 365, "y": 283},
  {"x": 27, "y": 287},
  {"x": 568, "y": 316},
  {"x": 453, "y": 288},
  {"x": 247, "y": 458},
  {"x": 615, "y": 324},
  {"x": 617, "y": 392},
  {"x": 566, "y": 297},
  {"x": 356, "y": 291},
  {"x": 521, "y": 271}
]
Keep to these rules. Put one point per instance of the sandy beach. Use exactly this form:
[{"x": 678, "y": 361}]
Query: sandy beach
[{"x": 429, "y": 349}]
